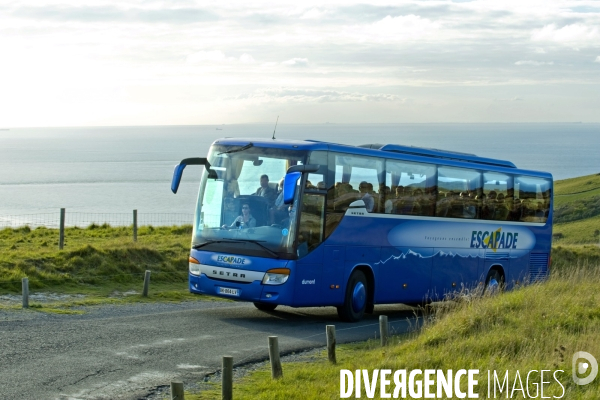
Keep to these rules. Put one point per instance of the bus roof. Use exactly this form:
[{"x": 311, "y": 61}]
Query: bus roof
[{"x": 367, "y": 149}]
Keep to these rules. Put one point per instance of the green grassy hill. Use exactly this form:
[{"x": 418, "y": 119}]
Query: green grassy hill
[
  {"x": 99, "y": 262},
  {"x": 577, "y": 210}
]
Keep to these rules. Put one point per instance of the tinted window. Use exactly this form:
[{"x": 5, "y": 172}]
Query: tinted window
[
  {"x": 410, "y": 188},
  {"x": 497, "y": 200},
  {"x": 532, "y": 199},
  {"x": 459, "y": 191},
  {"x": 356, "y": 178}
]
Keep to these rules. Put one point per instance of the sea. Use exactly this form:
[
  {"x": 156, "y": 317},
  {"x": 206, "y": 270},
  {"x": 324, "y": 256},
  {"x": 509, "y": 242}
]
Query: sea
[{"x": 119, "y": 169}]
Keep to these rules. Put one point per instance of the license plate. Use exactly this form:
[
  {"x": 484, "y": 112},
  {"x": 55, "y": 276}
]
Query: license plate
[{"x": 229, "y": 291}]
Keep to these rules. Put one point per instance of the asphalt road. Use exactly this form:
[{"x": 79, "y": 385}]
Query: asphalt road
[{"x": 125, "y": 352}]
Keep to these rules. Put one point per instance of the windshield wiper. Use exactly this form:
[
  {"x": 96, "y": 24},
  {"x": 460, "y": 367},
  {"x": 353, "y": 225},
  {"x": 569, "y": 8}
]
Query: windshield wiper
[
  {"x": 197, "y": 246},
  {"x": 246, "y": 147},
  {"x": 257, "y": 242}
]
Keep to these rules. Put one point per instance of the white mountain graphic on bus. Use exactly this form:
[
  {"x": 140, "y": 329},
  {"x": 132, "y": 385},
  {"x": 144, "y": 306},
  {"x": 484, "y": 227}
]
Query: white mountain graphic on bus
[{"x": 519, "y": 240}]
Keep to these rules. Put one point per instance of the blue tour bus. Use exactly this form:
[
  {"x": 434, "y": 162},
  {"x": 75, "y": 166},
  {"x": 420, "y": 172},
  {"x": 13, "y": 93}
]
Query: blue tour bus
[{"x": 309, "y": 223}]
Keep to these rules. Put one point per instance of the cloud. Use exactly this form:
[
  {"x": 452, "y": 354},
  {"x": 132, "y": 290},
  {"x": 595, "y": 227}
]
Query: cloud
[
  {"x": 313, "y": 13},
  {"x": 516, "y": 98},
  {"x": 296, "y": 62},
  {"x": 215, "y": 56},
  {"x": 597, "y": 59},
  {"x": 403, "y": 27},
  {"x": 575, "y": 34},
  {"x": 218, "y": 57},
  {"x": 284, "y": 95},
  {"x": 247, "y": 59},
  {"x": 535, "y": 63},
  {"x": 115, "y": 14}
]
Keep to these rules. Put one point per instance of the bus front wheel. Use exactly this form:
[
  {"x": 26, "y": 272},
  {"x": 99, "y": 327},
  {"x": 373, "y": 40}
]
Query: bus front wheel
[
  {"x": 265, "y": 306},
  {"x": 355, "y": 300}
]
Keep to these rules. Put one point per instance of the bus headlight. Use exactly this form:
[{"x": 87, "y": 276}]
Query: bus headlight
[
  {"x": 194, "y": 266},
  {"x": 277, "y": 276}
]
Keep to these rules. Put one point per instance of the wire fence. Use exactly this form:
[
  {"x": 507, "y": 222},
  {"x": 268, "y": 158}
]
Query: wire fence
[{"x": 83, "y": 220}]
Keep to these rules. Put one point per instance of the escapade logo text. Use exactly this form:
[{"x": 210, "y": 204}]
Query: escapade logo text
[
  {"x": 463, "y": 239},
  {"x": 231, "y": 260},
  {"x": 494, "y": 239}
]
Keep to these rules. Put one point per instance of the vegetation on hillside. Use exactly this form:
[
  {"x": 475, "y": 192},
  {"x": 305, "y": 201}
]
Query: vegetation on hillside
[
  {"x": 533, "y": 328},
  {"x": 98, "y": 260},
  {"x": 577, "y": 210}
]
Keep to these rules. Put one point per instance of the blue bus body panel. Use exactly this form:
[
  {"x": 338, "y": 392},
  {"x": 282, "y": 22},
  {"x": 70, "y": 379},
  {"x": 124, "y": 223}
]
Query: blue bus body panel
[{"x": 415, "y": 260}]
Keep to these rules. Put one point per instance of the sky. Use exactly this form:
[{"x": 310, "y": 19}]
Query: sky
[{"x": 184, "y": 62}]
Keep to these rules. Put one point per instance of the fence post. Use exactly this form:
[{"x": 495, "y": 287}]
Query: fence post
[
  {"x": 146, "y": 283},
  {"x": 25, "y": 289},
  {"x": 330, "y": 329},
  {"x": 61, "y": 237},
  {"x": 177, "y": 390},
  {"x": 383, "y": 329},
  {"x": 227, "y": 378},
  {"x": 276, "y": 371},
  {"x": 135, "y": 225}
]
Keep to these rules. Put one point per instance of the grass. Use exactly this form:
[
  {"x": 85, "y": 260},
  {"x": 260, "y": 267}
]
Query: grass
[
  {"x": 536, "y": 327},
  {"x": 100, "y": 262},
  {"x": 575, "y": 186},
  {"x": 577, "y": 210}
]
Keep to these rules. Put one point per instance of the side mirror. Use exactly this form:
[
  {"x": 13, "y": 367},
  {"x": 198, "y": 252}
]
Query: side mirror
[
  {"x": 304, "y": 168},
  {"x": 289, "y": 186},
  {"x": 178, "y": 172}
]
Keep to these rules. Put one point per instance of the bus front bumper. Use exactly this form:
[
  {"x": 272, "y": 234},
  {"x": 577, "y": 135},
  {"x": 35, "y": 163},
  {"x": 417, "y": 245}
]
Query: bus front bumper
[{"x": 253, "y": 291}]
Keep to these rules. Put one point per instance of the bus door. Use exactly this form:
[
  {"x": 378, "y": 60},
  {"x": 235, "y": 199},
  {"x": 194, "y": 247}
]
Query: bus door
[
  {"x": 455, "y": 270},
  {"x": 309, "y": 282},
  {"x": 333, "y": 274}
]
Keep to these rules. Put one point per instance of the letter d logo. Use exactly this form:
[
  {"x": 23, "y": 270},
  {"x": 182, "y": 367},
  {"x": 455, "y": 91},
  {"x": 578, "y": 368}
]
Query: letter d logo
[{"x": 582, "y": 367}]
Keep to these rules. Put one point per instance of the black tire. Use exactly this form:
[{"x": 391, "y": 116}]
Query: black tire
[
  {"x": 493, "y": 275},
  {"x": 265, "y": 306},
  {"x": 356, "y": 298}
]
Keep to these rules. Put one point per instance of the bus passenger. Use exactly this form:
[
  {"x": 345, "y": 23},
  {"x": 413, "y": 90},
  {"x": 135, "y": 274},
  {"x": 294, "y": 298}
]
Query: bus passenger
[
  {"x": 265, "y": 190},
  {"x": 278, "y": 211},
  {"x": 363, "y": 188},
  {"x": 245, "y": 220}
]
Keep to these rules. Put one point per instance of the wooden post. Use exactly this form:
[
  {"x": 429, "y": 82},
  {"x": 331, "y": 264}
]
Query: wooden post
[
  {"x": 227, "y": 378},
  {"x": 135, "y": 225},
  {"x": 146, "y": 283},
  {"x": 330, "y": 329},
  {"x": 25, "y": 288},
  {"x": 177, "y": 390},
  {"x": 383, "y": 329},
  {"x": 276, "y": 371},
  {"x": 61, "y": 236}
]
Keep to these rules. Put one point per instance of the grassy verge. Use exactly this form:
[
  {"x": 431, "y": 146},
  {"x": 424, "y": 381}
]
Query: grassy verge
[
  {"x": 536, "y": 327},
  {"x": 101, "y": 264}
]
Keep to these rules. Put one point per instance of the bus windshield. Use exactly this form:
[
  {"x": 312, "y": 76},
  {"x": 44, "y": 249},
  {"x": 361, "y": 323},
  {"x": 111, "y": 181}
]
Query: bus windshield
[{"x": 241, "y": 211}]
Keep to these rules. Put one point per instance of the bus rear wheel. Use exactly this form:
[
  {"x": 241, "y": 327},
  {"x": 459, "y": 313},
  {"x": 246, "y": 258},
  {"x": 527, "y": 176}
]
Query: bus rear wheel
[
  {"x": 355, "y": 300},
  {"x": 494, "y": 283},
  {"x": 265, "y": 306}
]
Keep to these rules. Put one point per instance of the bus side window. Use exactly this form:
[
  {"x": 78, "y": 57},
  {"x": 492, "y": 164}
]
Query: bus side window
[
  {"x": 411, "y": 188},
  {"x": 460, "y": 189},
  {"x": 498, "y": 203}
]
